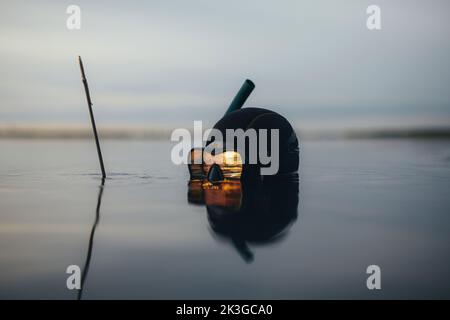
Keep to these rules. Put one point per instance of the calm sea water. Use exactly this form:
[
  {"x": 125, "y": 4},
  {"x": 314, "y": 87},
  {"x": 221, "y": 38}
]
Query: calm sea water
[{"x": 361, "y": 202}]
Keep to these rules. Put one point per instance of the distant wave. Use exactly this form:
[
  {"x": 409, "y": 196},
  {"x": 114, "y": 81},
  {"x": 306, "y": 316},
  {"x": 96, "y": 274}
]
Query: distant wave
[
  {"x": 81, "y": 132},
  {"x": 164, "y": 133}
]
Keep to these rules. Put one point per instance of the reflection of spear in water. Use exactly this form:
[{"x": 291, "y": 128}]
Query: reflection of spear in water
[
  {"x": 91, "y": 240},
  {"x": 94, "y": 128}
]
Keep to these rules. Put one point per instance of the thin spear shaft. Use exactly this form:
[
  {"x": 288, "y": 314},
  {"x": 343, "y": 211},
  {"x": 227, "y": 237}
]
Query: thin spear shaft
[{"x": 94, "y": 128}]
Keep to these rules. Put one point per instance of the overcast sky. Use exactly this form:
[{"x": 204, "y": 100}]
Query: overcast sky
[{"x": 170, "y": 62}]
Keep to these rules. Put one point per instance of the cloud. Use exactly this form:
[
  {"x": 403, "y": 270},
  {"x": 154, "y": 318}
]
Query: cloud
[{"x": 308, "y": 59}]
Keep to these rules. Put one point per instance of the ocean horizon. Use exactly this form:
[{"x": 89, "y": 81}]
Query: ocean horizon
[{"x": 163, "y": 132}]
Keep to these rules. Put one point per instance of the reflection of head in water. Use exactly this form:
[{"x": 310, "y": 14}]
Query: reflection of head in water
[{"x": 257, "y": 213}]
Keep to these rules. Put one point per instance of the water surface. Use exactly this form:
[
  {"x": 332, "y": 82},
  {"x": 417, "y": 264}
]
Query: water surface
[{"x": 361, "y": 202}]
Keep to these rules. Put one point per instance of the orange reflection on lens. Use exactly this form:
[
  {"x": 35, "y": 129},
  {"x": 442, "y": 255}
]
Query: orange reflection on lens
[
  {"x": 230, "y": 162},
  {"x": 200, "y": 162}
]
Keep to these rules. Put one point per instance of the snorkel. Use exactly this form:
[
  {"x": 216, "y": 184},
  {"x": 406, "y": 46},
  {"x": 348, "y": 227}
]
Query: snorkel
[{"x": 241, "y": 96}]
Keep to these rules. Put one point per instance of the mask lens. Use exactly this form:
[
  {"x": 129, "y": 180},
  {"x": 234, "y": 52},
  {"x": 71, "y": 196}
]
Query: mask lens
[
  {"x": 230, "y": 162},
  {"x": 195, "y": 163},
  {"x": 200, "y": 163}
]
